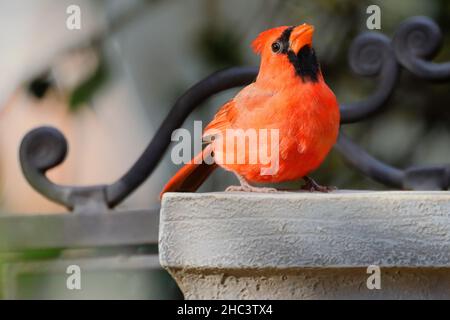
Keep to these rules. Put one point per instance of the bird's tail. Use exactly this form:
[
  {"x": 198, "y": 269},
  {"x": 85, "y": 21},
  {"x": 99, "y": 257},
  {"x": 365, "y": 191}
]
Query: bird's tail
[{"x": 190, "y": 177}]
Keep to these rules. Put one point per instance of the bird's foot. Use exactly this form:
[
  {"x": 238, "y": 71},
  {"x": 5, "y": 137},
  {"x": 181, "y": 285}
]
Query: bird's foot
[
  {"x": 248, "y": 188},
  {"x": 312, "y": 186}
]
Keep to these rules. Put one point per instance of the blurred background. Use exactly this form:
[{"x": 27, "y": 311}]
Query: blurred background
[{"x": 109, "y": 85}]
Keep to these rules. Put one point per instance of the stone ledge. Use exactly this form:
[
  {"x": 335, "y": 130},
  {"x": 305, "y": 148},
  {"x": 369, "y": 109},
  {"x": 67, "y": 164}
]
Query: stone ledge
[
  {"x": 345, "y": 229},
  {"x": 312, "y": 283},
  {"x": 295, "y": 236}
]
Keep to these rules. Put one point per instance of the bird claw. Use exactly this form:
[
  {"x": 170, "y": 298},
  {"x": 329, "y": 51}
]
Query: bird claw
[
  {"x": 313, "y": 186},
  {"x": 323, "y": 189},
  {"x": 250, "y": 189},
  {"x": 234, "y": 189}
]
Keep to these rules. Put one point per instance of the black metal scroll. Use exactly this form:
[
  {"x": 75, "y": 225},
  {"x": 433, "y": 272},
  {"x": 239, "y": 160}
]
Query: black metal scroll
[
  {"x": 45, "y": 148},
  {"x": 371, "y": 54},
  {"x": 415, "y": 43}
]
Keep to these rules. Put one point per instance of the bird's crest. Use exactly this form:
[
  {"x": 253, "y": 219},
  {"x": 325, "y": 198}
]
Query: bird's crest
[{"x": 264, "y": 37}]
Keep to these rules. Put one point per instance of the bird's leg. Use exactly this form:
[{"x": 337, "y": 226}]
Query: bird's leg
[
  {"x": 311, "y": 185},
  {"x": 246, "y": 187}
]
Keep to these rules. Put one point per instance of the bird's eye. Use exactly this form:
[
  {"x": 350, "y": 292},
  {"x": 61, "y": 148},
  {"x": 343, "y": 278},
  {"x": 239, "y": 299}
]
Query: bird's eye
[{"x": 276, "y": 47}]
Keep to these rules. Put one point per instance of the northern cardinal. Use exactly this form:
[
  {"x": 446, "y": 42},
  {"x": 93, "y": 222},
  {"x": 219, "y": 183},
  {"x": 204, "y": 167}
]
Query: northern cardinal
[{"x": 290, "y": 95}]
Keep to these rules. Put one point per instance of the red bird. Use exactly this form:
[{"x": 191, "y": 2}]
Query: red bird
[{"x": 289, "y": 95}]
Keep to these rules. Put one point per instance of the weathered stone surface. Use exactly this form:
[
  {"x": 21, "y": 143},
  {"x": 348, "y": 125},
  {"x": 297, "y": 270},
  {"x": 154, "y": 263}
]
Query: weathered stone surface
[{"x": 307, "y": 245}]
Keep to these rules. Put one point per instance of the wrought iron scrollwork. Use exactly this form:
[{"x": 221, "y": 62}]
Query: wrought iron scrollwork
[
  {"x": 371, "y": 55},
  {"x": 45, "y": 148},
  {"x": 416, "y": 41},
  {"x": 413, "y": 178}
]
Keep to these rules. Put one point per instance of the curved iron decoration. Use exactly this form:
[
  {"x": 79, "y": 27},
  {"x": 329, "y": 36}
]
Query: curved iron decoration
[
  {"x": 371, "y": 55},
  {"x": 413, "y": 178},
  {"x": 45, "y": 148},
  {"x": 416, "y": 41}
]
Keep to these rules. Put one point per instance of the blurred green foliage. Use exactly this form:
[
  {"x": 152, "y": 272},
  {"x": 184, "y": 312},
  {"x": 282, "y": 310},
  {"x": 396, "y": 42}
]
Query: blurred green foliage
[{"x": 83, "y": 94}]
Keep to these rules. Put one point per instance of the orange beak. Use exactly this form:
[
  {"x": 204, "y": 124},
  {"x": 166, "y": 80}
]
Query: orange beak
[{"x": 301, "y": 36}]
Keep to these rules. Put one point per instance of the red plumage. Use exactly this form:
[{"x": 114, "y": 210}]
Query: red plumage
[{"x": 289, "y": 95}]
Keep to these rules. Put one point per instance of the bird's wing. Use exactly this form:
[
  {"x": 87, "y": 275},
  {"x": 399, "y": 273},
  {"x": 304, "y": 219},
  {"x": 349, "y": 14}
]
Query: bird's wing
[
  {"x": 244, "y": 109},
  {"x": 223, "y": 120}
]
